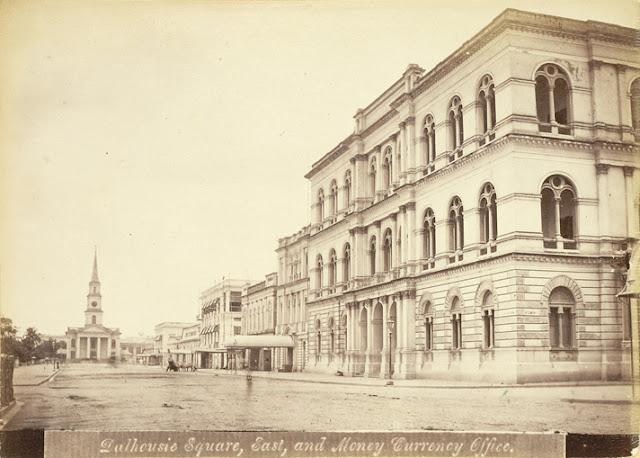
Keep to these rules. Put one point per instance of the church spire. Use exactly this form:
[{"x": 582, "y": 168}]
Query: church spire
[{"x": 94, "y": 275}]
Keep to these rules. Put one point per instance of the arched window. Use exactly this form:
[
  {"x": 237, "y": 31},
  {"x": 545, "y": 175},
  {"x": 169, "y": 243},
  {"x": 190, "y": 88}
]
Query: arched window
[
  {"x": 456, "y": 229},
  {"x": 319, "y": 267},
  {"x": 456, "y": 127},
  {"x": 388, "y": 250},
  {"x": 430, "y": 142},
  {"x": 347, "y": 190},
  {"x": 93, "y": 319},
  {"x": 429, "y": 237},
  {"x": 334, "y": 198},
  {"x": 487, "y": 108},
  {"x": 456, "y": 324},
  {"x": 320, "y": 206},
  {"x": 346, "y": 264},
  {"x": 488, "y": 312},
  {"x": 428, "y": 326},
  {"x": 635, "y": 107},
  {"x": 387, "y": 169},
  {"x": 333, "y": 271},
  {"x": 561, "y": 318},
  {"x": 73, "y": 343},
  {"x": 372, "y": 179},
  {"x": 372, "y": 255},
  {"x": 488, "y": 217},
  {"x": 552, "y": 99},
  {"x": 558, "y": 207}
]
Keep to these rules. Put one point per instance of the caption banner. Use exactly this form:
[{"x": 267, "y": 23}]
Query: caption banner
[{"x": 65, "y": 444}]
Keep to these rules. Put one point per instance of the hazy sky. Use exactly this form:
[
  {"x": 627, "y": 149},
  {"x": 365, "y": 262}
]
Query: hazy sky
[{"x": 175, "y": 136}]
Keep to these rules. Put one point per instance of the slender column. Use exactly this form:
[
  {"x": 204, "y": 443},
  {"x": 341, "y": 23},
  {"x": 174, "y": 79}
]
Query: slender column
[
  {"x": 557, "y": 210},
  {"x": 491, "y": 216},
  {"x": 411, "y": 140},
  {"x": 405, "y": 245},
  {"x": 432, "y": 242},
  {"x": 552, "y": 105},
  {"x": 402, "y": 147},
  {"x": 394, "y": 243},
  {"x": 490, "y": 121},
  {"x": 379, "y": 172},
  {"x": 458, "y": 233},
  {"x": 423, "y": 155},
  {"x": 457, "y": 140},
  {"x": 560, "y": 326},
  {"x": 631, "y": 214},
  {"x": 380, "y": 248},
  {"x": 420, "y": 235},
  {"x": 602, "y": 176},
  {"x": 88, "y": 347},
  {"x": 411, "y": 223}
]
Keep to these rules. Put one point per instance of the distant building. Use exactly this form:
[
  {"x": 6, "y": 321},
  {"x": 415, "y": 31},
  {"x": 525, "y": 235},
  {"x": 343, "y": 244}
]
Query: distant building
[
  {"x": 221, "y": 318},
  {"x": 93, "y": 341},
  {"x": 131, "y": 348},
  {"x": 167, "y": 336},
  {"x": 293, "y": 285},
  {"x": 259, "y": 318},
  {"x": 186, "y": 345}
]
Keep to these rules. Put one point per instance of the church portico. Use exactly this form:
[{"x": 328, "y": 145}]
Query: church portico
[{"x": 94, "y": 341}]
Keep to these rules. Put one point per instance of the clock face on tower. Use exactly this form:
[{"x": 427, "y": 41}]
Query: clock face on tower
[{"x": 94, "y": 304}]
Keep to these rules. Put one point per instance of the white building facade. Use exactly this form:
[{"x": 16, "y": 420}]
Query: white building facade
[
  {"x": 475, "y": 223},
  {"x": 293, "y": 287},
  {"x": 220, "y": 318}
]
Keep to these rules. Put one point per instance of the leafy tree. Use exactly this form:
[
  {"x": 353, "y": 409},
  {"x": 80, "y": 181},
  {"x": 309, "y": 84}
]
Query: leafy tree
[
  {"x": 10, "y": 345},
  {"x": 30, "y": 342}
]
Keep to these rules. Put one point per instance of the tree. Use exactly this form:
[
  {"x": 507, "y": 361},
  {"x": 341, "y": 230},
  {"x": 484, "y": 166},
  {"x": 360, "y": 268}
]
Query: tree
[
  {"x": 8, "y": 342},
  {"x": 30, "y": 342}
]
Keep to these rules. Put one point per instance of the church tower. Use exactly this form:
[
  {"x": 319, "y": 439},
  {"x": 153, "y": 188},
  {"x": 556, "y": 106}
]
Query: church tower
[{"x": 93, "y": 312}]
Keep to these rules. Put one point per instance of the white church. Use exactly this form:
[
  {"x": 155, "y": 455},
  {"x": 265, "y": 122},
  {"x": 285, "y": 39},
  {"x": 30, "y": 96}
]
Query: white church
[{"x": 93, "y": 341}]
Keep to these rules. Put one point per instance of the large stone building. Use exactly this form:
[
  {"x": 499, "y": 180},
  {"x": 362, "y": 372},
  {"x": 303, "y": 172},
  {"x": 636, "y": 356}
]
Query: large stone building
[
  {"x": 259, "y": 318},
  {"x": 167, "y": 336},
  {"x": 93, "y": 341},
  {"x": 474, "y": 224},
  {"x": 221, "y": 318},
  {"x": 293, "y": 287}
]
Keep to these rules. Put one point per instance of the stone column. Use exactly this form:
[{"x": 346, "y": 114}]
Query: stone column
[
  {"x": 602, "y": 175},
  {"x": 422, "y": 153},
  {"x": 411, "y": 143},
  {"x": 89, "y": 347},
  {"x": 379, "y": 247},
  {"x": 394, "y": 261},
  {"x": 384, "y": 353},
  {"x": 369, "y": 351},
  {"x": 409, "y": 352},
  {"x": 632, "y": 223},
  {"x": 411, "y": 230}
]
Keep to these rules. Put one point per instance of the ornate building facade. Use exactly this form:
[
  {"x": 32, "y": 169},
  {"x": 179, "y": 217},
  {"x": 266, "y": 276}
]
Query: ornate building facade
[
  {"x": 259, "y": 318},
  {"x": 93, "y": 341},
  {"x": 292, "y": 290},
  {"x": 475, "y": 223}
]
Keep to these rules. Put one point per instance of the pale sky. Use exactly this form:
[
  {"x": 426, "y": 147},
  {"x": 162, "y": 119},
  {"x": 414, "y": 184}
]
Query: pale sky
[{"x": 175, "y": 136}]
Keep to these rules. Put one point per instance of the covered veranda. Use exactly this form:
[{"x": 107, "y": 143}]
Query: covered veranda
[{"x": 254, "y": 352}]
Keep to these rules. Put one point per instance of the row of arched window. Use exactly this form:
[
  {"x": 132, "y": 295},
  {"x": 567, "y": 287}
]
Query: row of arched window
[
  {"x": 561, "y": 314},
  {"x": 558, "y": 217},
  {"x": 553, "y": 108}
]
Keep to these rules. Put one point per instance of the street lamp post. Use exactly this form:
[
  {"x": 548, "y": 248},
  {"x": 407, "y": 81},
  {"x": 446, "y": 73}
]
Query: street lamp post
[{"x": 390, "y": 324}]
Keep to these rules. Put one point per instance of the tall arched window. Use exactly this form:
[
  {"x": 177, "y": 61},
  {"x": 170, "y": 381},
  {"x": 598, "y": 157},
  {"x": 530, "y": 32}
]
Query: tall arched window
[
  {"x": 333, "y": 271},
  {"x": 320, "y": 206},
  {"x": 388, "y": 250},
  {"x": 488, "y": 217},
  {"x": 561, "y": 318},
  {"x": 429, "y": 235},
  {"x": 553, "y": 99},
  {"x": 456, "y": 229},
  {"x": 347, "y": 190},
  {"x": 346, "y": 264},
  {"x": 428, "y": 326},
  {"x": 456, "y": 127},
  {"x": 558, "y": 207},
  {"x": 488, "y": 312},
  {"x": 334, "y": 198},
  {"x": 456, "y": 324},
  {"x": 635, "y": 107},
  {"x": 93, "y": 319},
  {"x": 372, "y": 179},
  {"x": 320, "y": 268},
  {"x": 430, "y": 140},
  {"x": 372, "y": 255},
  {"x": 387, "y": 169},
  {"x": 487, "y": 108}
]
